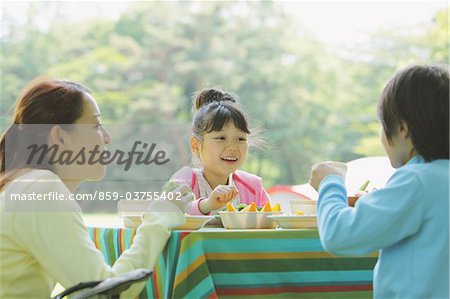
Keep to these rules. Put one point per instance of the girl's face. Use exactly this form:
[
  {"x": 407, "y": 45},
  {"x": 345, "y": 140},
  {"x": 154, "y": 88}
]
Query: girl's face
[
  {"x": 87, "y": 135},
  {"x": 222, "y": 152},
  {"x": 400, "y": 150}
]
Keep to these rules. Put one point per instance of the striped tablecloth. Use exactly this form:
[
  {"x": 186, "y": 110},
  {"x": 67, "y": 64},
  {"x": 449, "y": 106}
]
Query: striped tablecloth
[{"x": 213, "y": 263}]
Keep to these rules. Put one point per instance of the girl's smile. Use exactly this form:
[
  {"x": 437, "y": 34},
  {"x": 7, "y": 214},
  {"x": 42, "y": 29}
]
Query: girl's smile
[{"x": 221, "y": 152}]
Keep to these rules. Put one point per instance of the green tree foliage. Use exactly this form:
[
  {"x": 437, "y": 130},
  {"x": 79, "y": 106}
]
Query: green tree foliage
[{"x": 311, "y": 101}]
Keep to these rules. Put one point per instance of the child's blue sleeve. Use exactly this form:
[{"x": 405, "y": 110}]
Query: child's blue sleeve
[{"x": 378, "y": 220}]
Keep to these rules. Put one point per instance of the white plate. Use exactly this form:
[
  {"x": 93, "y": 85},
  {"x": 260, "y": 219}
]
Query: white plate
[
  {"x": 132, "y": 220},
  {"x": 295, "y": 221},
  {"x": 194, "y": 222},
  {"x": 247, "y": 220}
]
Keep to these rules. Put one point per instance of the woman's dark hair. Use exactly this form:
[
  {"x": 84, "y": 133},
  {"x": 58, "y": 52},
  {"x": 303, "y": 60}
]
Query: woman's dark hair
[
  {"x": 43, "y": 101},
  {"x": 419, "y": 96},
  {"x": 215, "y": 108}
]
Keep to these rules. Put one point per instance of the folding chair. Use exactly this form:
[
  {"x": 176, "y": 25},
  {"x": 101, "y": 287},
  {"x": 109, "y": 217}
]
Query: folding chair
[{"x": 109, "y": 288}]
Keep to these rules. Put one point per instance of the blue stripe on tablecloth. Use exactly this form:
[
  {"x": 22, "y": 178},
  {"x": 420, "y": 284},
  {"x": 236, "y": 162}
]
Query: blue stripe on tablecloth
[
  {"x": 116, "y": 242},
  {"x": 300, "y": 278},
  {"x": 102, "y": 233}
]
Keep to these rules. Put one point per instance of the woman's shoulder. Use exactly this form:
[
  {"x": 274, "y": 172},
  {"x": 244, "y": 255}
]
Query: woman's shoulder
[
  {"x": 39, "y": 190},
  {"x": 31, "y": 175},
  {"x": 38, "y": 180}
]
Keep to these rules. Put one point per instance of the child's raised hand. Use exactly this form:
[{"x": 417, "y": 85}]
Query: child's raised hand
[
  {"x": 322, "y": 169},
  {"x": 218, "y": 198}
]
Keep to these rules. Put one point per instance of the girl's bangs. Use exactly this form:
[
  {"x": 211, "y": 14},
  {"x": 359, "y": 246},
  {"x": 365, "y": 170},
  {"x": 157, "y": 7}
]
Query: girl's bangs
[{"x": 223, "y": 115}]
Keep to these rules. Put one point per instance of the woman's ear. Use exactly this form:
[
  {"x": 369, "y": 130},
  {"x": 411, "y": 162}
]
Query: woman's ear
[
  {"x": 56, "y": 136},
  {"x": 195, "y": 146}
]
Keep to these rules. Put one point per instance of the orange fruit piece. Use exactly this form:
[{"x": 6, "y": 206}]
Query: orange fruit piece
[
  {"x": 276, "y": 208},
  {"x": 266, "y": 207},
  {"x": 252, "y": 207}
]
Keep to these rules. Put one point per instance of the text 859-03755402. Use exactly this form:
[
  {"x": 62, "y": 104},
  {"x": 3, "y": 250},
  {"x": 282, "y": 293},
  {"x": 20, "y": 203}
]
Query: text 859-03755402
[{"x": 137, "y": 195}]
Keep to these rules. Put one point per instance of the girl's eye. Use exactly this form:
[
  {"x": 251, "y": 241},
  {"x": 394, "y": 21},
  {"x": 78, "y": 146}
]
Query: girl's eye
[
  {"x": 242, "y": 139},
  {"x": 220, "y": 138}
]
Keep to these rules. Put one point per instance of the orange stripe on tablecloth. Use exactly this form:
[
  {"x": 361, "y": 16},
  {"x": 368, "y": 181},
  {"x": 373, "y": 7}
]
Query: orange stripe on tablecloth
[
  {"x": 293, "y": 289},
  {"x": 120, "y": 231},
  {"x": 96, "y": 242},
  {"x": 182, "y": 276},
  {"x": 155, "y": 285},
  {"x": 269, "y": 255}
]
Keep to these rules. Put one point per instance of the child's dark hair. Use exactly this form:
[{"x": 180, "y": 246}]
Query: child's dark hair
[
  {"x": 215, "y": 108},
  {"x": 419, "y": 96}
]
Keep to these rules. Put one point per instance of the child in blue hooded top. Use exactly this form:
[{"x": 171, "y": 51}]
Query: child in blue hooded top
[{"x": 408, "y": 219}]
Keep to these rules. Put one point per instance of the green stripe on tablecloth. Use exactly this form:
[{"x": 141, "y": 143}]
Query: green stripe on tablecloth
[
  {"x": 200, "y": 290},
  {"x": 312, "y": 264},
  {"x": 199, "y": 275},
  {"x": 109, "y": 235},
  {"x": 236, "y": 279}
]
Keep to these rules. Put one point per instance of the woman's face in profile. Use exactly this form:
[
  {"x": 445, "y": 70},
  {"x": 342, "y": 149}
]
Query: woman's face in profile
[{"x": 88, "y": 136}]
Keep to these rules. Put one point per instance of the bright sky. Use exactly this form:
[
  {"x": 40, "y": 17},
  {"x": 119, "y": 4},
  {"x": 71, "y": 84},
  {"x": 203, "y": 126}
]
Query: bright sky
[
  {"x": 341, "y": 22},
  {"x": 334, "y": 22}
]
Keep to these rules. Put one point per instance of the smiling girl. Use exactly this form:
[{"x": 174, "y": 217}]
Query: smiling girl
[{"x": 219, "y": 140}]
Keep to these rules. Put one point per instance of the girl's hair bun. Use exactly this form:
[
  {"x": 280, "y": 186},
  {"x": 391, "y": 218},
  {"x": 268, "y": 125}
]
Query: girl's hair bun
[{"x": 212, "y": 95}]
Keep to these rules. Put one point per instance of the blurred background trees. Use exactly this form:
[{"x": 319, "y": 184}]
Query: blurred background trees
[{"x": 312, "y": 101}]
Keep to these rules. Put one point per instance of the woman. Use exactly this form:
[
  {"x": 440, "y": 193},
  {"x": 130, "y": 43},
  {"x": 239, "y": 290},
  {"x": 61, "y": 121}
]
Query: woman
[{"x": 45, "y": 242}]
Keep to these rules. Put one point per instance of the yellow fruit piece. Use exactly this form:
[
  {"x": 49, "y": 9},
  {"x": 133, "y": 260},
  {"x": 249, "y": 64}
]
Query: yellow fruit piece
[
  {"x": 230, "y": 207},
  {"x": 276, "y": 208},
  {"x": 298, "y": 212},
  {"x": 267, "y": 207}
]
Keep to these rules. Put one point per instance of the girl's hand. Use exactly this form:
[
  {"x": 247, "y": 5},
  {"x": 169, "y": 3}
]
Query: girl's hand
[
  {"x": 218, "y": 198},
  {"x": 322, "y": 169}
]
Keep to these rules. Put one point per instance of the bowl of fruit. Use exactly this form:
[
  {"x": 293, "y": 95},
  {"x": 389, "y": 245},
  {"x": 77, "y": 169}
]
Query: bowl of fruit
[{"x": 249, "y": 216}]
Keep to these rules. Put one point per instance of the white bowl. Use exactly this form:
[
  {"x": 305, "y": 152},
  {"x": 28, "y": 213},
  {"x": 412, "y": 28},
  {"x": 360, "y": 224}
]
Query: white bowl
[
  {"x": 247, "y": 220},
  {"x": 133, "y": 220},
  {"x": 194, "y": 222},
  {"x": 131, "y": 211},
  {"x": 295, "y": 221},
  {"x": 308, "y": 207}
]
